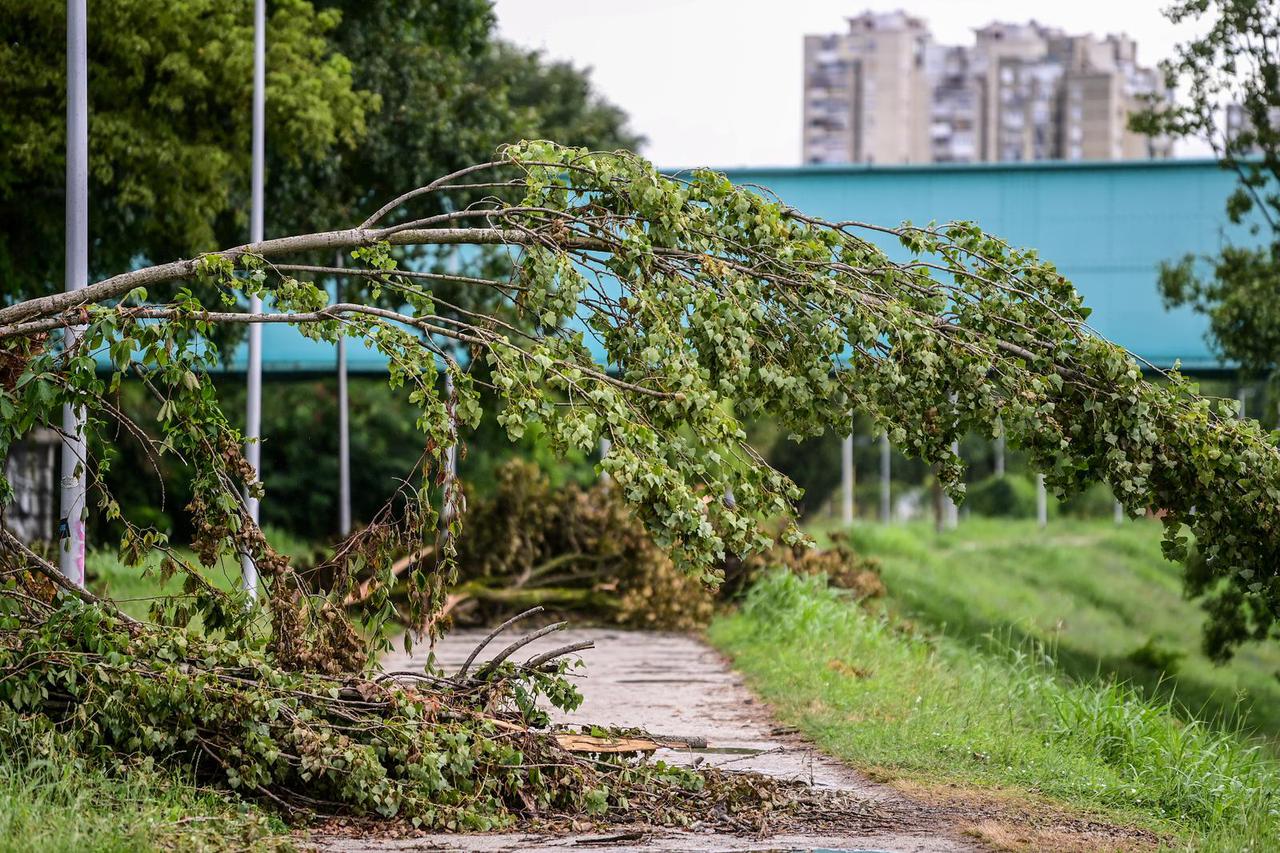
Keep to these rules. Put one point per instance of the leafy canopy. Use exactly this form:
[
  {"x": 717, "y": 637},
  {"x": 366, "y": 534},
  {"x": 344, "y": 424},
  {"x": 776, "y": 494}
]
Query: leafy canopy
[
  {"x": 169, "y": 124},
  {"x": 363, "y": 99}
]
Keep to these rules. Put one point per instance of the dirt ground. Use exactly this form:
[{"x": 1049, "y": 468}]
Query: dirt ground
[{"x": 675, "y": 685}]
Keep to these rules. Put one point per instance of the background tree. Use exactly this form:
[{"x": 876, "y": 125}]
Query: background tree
[
  {"x": 363, "y": 99},
  {"x": 169, "y": 125},
  {"x": 1231, "y": 80}
]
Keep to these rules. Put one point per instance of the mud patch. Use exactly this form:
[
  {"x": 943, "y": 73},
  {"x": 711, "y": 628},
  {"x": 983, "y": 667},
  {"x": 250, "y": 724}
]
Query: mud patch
[{"x": 1012, "y": 822}]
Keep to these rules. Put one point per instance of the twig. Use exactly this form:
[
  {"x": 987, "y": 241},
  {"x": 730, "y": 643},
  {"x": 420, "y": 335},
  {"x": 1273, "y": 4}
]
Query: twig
[
  {"x": 489, "y": 638},
  {"x": 44, "y": 567},
  {"x": 580, "y": 646},
  {"x": 369, "y": 586},
  {"x": 518, "y": 645}
]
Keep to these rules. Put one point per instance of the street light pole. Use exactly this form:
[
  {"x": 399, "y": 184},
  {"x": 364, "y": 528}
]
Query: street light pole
[
  {"x": 846, "y": 480},
  {"x": 253, "y": 406},
  {"x": 74, "y": 450},
  {"x": 1042, "y": 502},
  {"x": 886, "y": 508},
  {"x": 344, "y": 424}
]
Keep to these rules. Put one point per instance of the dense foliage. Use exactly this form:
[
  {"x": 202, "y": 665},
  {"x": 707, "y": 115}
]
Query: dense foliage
[
  {"x": 363, "y": 99},
  {"x": 169, "y": 125},
  {"x": 456, "y": 754},
  {"x": 1231, "y": 76}
]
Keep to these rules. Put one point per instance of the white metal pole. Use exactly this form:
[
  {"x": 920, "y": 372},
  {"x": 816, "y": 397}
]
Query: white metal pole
[
  {"x": 951, "y": 512},
  {"x": 1042, "y": 502},
  {"x": 1119, "y": 513},
  {"x": 605, "y": 446},
  {"x": 846, "y": 480},
  {"x": 886, "y": 509},
  {"x": 344, "y": 427},
  {"x": 999, "y": 461},
  {"x": 451, "y": 455},
  {"x": 253, "y": 405},
  {"x": 74, "y": 450}
]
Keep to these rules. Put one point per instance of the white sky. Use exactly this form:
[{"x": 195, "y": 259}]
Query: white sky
[{"x": 717, "y": 82}]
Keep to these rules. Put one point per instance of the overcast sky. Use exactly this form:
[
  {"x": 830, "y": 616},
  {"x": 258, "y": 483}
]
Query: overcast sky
[{"x": 717, "y": 82}]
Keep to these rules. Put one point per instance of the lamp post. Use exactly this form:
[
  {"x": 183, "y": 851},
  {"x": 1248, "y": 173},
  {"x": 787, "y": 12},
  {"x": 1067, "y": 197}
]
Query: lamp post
[
  {"x": 253, "y": 405},
  {"x": 886, "y": 508},
  {"x": 344, "y": 424},
  {"x": 74, "y": 458},
  {"x": 846, "y": 480}
]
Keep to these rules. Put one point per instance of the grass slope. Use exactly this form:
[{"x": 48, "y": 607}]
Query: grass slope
[
  {"x": 1099, "y": 595},
  {"x": 916, "y": 705}
]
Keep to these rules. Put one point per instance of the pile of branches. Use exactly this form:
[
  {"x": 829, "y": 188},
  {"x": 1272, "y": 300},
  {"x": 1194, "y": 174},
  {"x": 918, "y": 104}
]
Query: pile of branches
[
  {"x": 581, "y": 552},
  {"x": 573, "y": 550},
  {"x": 468, "y": 751},
  {"x": 840, "y": 564}
]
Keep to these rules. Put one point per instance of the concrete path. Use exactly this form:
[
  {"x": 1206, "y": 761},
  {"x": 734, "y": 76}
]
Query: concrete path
[{"x": 672, "y": 684}]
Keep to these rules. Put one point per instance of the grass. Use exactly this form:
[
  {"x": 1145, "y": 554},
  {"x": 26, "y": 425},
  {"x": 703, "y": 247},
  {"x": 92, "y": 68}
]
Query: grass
[
  {"x": 935, "y": 709},
  {"x": 63, "y": 806},
  {"x": 995, "y": 663},
  {"x": 135, "y": 589},
  {"x": 1099, "y": 595}
]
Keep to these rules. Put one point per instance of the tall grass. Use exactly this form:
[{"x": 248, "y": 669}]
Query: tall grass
[
  {"x": 57, "y": 804},
  {"x": 883, "y": 695},
  {"x": 135, "y": 588}
]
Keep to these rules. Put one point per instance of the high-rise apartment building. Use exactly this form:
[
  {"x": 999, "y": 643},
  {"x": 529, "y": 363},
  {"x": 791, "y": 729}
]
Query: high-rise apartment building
[{"x": 884, "y": 92}]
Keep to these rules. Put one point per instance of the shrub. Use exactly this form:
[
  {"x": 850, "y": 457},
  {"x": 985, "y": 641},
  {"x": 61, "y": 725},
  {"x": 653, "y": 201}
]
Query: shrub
[
  {"x": 1002, "y": 497},
  {"x": 1096, "y": 501}
]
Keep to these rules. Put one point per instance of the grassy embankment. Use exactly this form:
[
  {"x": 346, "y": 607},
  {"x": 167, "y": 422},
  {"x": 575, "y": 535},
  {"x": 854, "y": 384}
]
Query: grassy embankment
[{"x": 996, "y": 661}]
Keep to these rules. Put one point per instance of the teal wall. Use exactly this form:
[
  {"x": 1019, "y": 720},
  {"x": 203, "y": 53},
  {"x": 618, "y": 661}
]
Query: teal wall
[{"x": 1105, "y": 225}]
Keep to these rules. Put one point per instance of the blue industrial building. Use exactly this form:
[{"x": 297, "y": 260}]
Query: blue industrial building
[{"x": 1106, "y": 225}]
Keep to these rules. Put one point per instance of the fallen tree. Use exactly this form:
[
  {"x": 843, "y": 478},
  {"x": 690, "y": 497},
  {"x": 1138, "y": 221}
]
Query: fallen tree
[{"x": 712, "y": 303}]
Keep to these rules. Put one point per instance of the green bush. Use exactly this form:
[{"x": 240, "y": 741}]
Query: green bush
[
  {"x": 1002, "y": 497},
  {"x": 1094, "y": 502},
  {"x": 813, "y": 464}
]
